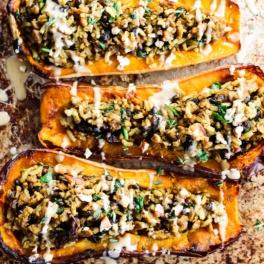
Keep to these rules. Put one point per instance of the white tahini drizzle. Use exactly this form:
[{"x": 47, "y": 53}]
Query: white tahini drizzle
[
  {"x": 18, "y": 77},
  {"x": 73, "y": 90},
  {"x": 221, "y": 9},
  {"x": 4, "y": 118},
  {"x": 124, "y": 242},
  {"x": 3, "y": 96},
  {"x": 251, "y": 4},
  {"x": 50, "y": 212},
  {"x": 168, "y": 90},
  {"x": 97, "y": 99},
  {"x": 213, "y": 5}
]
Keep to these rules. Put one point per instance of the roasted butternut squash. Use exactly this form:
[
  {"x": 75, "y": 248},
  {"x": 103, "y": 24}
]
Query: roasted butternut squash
[
  {"x": 69, "y": 40},
  {"x": 201, "y": 125},
  {"x": 59, "y": 208}
]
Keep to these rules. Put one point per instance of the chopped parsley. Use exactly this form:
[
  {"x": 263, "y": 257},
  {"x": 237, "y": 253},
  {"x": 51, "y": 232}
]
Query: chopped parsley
[
  {"x": 46, "y": 178},
  {"x": 45, "y": 50},
  {"x": 202, "y": 155},
  {"x": 173, "y": 110},
  {"x": 159, "y": 171},
  {"x": 44, "y": 220},
  {"x": 117, "y": 185},
  {"x": 60, "y": 210},
  {"x": 220, "y": 115},
  {"x": 259, "y": 225},
  {"x": 219, "y": 184},
  {"x": 139, "y": 203},
  {"x": 113, "y": 240},
  {"x": 109, "y": 109},
  {"x": 102, "y": 45},
  {"x": 125, "y": 149},
  {"x": 112, "y": 215},
  {"x": 95, "y": 197},
  {"x": 97, "y": 213},
  {"x": 171, "y": 123},
  {"x": 142, "y": 54},
  {"x": 216, "y": 86},
  {"x": 157, "y": 182},
  {"x": 91, "y": 21}
]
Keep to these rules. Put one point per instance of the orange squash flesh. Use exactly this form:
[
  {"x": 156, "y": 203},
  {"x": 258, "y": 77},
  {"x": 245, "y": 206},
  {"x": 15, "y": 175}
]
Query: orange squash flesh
[
  {"x": 224, "y": 47},
  {"x": 198, "y": 243},
  {"x": 57, "y": 96}
]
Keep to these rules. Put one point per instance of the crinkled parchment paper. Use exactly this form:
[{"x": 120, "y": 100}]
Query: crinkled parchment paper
[{"x": 21, "y": 133}]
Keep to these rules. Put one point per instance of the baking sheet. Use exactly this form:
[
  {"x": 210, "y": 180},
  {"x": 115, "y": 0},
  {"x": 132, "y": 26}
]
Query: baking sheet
[{"x": 21, "y": 133}]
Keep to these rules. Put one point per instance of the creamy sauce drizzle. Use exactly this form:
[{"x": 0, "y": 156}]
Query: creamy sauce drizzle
[
  {"x": 222, "y": 220},
  {"x": 50, "y": 212},
  {"x": 4, "y": 118},
  {"x": 97, "y": 100},
  {"x": 251, "y": 4},
  {"x": 168, "y": 90},
  {"x": 17, "y": 77},
  {"x": 221, "y": 9},
  {"x": 73, "y": 90},
  {"x": 197, "y": 4},
  {"x": 213, "y": 5},
  {"x": 3, "y": 96},
  {"x": 124, "y": 242}
]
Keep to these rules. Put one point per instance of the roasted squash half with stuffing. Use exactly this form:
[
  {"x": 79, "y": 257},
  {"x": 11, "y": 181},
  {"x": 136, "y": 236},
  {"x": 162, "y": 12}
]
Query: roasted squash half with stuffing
[
  {"x": 210, "y": 124},
  {"x": 58, "y": 208},
  {"x": 76, "y": 38}
]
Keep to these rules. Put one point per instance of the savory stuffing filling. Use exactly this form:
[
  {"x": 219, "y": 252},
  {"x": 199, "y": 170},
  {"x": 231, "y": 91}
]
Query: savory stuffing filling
[
  {"x": 51, "y": 207},
  {"x": 219, "y": 122},
  {"x": 68, "y": 33}
]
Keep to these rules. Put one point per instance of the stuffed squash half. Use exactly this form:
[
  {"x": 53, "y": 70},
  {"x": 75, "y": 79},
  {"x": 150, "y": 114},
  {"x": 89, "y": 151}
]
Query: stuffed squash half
[
  {"x": 68, "y": 38},
  {"x": 58, "y": 208},
  {"x": 210, "y": 124}
]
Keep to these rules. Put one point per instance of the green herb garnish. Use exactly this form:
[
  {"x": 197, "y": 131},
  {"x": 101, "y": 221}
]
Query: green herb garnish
[
  {"x": 60, "y": 210},
  {"x": 95, "y": 197},
  {"x": 46, "y": 178},
  {"x": 117, "y": 185},
  {"x": 139, "y": 203},
  {"x": 113, "y": 240},
  {"x": 159, "y": 171},
  {"x": 50, "y": 22},
  {"x": 219, "y": 184},
  {"x": 179, "y": 12},
  {"x": 17, "y": 14},
  {"x": 202, "y": 155},
  {"x": 173, "y": 110},
  {"x": 109, "y": 109},
  {"x": 157, "y": 182},
  {"x": 216, "y": 86},
  {"x": 147, "y": 10},
  {"x": 45, "y": 50},
  {"x": 97, "y": 213},
  {"x": 99, "y": 136},
  {"x": 142, "y": 54},
  {"x": 102, "y": 45},
  {"x": 125, "y": 149},
  {"x": 124, "y": 132},
  {"x": 91, "y": 21},
  {"x": 171, "y": 123},
  {"x": 115, "y": 6},
  {"x": 112, "y": 215},
  {"x": 258, "y": 225},
  {"x": 44, "y": 220}
]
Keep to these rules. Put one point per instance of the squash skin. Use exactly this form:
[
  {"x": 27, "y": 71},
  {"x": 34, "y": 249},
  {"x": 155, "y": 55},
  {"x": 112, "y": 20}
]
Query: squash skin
[
  {"x": 225, "y": 47},
  {"x": 57, "y": 96},
  {"x": 189, "y": 244}
]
